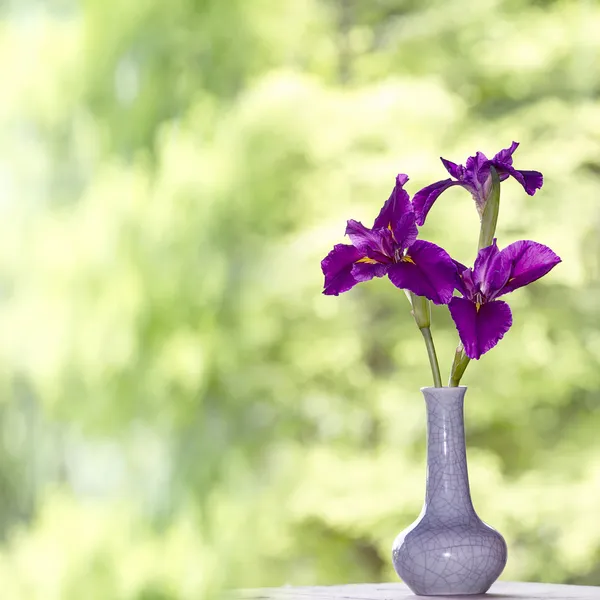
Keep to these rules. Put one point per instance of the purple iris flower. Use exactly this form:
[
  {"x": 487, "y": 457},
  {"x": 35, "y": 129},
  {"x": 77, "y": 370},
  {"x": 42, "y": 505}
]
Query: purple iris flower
[
  {"x": 391, "y": 248},
  {"x": 476, "y": 177},
  {"x": 480, "y": 318}
]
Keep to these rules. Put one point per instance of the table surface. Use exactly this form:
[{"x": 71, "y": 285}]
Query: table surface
[{"x": 501, "y": 590}]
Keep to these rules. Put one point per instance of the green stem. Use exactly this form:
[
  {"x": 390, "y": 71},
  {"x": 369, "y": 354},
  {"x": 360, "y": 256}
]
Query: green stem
[
  {"x": 489, "y": 217},
  {"x": 433, "y": 360}
]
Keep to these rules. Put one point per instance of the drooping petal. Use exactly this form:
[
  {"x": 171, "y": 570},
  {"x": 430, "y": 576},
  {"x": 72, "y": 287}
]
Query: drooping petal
[
  {"x": 397, "y": 214},
  {"x": 456, "y": 171},
  {"x": 424, "y": 199},
  {"x": 530, "y": 180},
  {"x": 464, "y": 315},
  {"x": 365, "y": 269},
  {"x": 427, "y": 270},
  {"x": 337, "y": 268},
  {"x": 525, "y": 261},
  {"x": 480, "y": 329}
]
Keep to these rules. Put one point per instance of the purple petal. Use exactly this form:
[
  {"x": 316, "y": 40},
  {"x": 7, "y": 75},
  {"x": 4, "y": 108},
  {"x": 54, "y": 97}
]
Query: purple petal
[
  {"x": 397, "y": 214},
  {"x": 405, "y": 231},
  {"x": 530, "y": 180},
  {"x": 459, "y": 266},
  {"x": 463, "y": 275},
  {"x": 476, "y": 170},
  {"x": 505, "y": 156},
  {"x": 478, "y": 179},
  {"x": 379, "y": 257},
  {"x": 467, "y": 277},
  {"x": 525, "y": 261},
  {"x": 401, "y": 179},
  {"x": 364, "y": 271},
  {"x": 397, "y": 205},
  {"x": 483, "y": 263},
  {"x": 424, "y": 199},
  {"x": 427, "y": 270},
  {"x": 465, "y": 283},
  {"x": 480, "y": 329},
  {"x": 456, "y": 171},
  {"x": 362, "y": 237},
  {"x": 374, "y": 243},
  {"x": 337, "y": 268},
  {"x": 489, "y": 272}
]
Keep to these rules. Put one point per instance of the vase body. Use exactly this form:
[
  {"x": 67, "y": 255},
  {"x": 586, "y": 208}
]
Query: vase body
[{"x": 448, "y": 550}]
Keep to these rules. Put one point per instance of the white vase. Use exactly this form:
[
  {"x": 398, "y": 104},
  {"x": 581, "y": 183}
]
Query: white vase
[{"x": 448, "y": 550}]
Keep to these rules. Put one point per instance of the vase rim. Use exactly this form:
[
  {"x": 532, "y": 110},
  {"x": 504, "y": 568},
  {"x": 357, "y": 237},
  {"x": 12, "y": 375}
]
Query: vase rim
[{"x": 445, "y": 387}]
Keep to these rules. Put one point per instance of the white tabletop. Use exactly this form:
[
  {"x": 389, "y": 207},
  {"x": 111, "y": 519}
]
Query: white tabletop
[{"x": 501, "y": 590}]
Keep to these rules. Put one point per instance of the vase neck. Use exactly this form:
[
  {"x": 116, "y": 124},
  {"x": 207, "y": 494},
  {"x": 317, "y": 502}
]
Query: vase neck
[{"x": 447, "y": 491}]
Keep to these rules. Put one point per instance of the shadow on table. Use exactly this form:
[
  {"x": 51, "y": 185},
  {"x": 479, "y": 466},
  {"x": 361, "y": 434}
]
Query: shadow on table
[{"x": 488, "y": 596}]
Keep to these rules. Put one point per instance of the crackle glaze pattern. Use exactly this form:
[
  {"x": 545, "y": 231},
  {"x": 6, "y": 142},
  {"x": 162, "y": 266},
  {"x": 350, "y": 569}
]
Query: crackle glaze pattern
[{"x": 448, "y": 550}]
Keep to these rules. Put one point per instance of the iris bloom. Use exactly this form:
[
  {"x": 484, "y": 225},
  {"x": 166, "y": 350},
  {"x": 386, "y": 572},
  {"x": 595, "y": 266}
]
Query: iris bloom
[
  {"x": 480, "y": 318},
  {"x": 391, "y": 248},
  {"x": 476, "y": 177}
]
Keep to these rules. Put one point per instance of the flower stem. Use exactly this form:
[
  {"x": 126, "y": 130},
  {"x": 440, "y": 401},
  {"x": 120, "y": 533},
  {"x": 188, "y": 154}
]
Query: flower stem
[
  {"x": 421, "y": 311},
  {"x": 489, "y": 218},
  {"x": 433, "y": 360}
]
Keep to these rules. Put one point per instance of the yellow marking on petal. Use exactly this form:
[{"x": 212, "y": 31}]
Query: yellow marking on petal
[
  {"x": 477, "y": 306},
  {"x": 368, "y": 260},
  {"x": 392, "y": 231},
  {"x": 407, "y": 259}
]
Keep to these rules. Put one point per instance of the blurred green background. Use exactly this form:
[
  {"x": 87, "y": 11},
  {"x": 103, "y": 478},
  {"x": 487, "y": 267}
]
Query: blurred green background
[{"x": 181, "y": 407}]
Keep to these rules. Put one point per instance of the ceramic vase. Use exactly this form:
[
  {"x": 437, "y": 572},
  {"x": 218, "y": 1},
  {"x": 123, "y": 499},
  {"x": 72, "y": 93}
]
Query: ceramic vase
[{"x": 448, "y": 550}]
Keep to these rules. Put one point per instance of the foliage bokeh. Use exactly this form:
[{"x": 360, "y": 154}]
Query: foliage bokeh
[{"x": 182, "y": 409}]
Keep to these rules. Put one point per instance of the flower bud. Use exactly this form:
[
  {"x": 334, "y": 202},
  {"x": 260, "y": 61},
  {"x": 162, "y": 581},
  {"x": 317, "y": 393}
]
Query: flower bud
[{"x": 421, "y": 310}]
